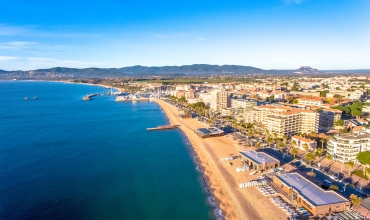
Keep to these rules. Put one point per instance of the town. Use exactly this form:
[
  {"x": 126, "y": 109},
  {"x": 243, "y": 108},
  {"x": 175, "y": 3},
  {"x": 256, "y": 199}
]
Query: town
[{"x": 308, "y": 137}]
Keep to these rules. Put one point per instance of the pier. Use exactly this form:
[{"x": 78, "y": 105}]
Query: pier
[
  {"x": 163, "y": 127},
  {"x": 88, "y": 97}
]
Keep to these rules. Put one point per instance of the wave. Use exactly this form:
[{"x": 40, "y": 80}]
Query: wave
[{"x": 217, "y": 212}]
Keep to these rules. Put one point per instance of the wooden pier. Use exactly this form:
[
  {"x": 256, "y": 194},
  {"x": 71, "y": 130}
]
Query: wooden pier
[{"x": 163, "y": 127}]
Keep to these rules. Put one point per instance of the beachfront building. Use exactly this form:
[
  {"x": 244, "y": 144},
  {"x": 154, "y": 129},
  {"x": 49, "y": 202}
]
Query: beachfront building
[
  {"x": 209, "y": 132},
  {"x": 243, "y": 103},
  {"x": 219, "y": 99},
  {"x": 292, "y": 121},
  {"x": 258, "y": 160},
  {"x": 300, "y": 190},
  {"x": 345, "y": 147},
  {"x": 302, "y": 141}
]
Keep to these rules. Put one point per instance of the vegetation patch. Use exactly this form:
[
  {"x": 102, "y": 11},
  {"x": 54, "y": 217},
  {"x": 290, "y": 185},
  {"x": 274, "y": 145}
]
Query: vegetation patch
[{"x": 360, "y": 173}]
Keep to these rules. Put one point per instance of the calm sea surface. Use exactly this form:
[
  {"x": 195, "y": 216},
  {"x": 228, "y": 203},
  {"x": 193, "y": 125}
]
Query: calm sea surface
[{"x": 64, "y": 158}]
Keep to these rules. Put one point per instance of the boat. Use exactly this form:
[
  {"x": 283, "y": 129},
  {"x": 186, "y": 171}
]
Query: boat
[
  {"x": 35, "y": 97},
  {"x": 25, "y": 98}
]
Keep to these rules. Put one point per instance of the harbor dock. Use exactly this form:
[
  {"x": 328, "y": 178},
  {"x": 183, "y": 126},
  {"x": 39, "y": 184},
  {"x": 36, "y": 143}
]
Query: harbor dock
[
  {"x": 88, "y": 97},
  {"x": 163, "y": 127}
]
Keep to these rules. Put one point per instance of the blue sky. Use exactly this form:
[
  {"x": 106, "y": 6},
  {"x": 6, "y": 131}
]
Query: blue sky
[{"x": 269, "y": 34}]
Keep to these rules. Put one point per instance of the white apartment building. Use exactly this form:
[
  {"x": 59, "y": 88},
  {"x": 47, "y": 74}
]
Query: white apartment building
[
  {"x": 292, "y": 122},
  {"x": 243, "y": 103},
  {"x": 345, "y": 147},
  {"x": 308, "y": 101},
  {"x": 219, "y": 99},
  {"x": 301, "y": 141}
]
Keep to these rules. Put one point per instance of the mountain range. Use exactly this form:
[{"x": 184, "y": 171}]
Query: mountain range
[{"x": 185, "y": 70}]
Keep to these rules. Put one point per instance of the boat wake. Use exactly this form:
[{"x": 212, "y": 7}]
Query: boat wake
[{"x": 217, "y": 210}]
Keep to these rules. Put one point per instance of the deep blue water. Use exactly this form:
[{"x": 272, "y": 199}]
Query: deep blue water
[{"x": 64, "y": 158}]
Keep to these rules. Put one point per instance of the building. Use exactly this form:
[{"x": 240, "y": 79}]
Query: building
[
  {"x": 243, "y": 103},
  {"x": 258, "y": 160},
  {"x": 328, "y": 117},
  {"x": 209, "y": 132},
  {"x": 345, "y": 147},
  {"x": 316, "y": 200},
  {"x": 310, "y": 101},
  {"x": 219, "y": 99},
  {"x": 301, "y": 141},
  {"x": 292, "y": 121}
]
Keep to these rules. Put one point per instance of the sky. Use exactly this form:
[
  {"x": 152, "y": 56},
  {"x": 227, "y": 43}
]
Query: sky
[{"x": 268, "y": 34}]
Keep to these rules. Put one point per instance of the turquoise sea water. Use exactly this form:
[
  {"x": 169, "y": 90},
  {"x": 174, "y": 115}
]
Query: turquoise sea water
[{"x": 64, "y": 158}]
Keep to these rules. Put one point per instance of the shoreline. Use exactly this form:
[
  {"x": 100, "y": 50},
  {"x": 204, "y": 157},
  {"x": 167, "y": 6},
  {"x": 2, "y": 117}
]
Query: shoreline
[{"x": 221, "y": 179}]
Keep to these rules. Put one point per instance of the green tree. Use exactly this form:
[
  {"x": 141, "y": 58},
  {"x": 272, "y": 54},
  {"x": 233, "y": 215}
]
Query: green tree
[
  {"x": 340, "y": 122},
  {"x": 285, "y": 138},
  {"x": 281, "y": 145},
  {"x": 295, "y": 101},
  {"x": 182, "y": 100},
  {"x": 322, "y": 140},
  {"x": 305, "y": 147},
  {"x": 271, "y": 98},
  {"x": 310, "y": 157},
  {"x": 355, "y": 200},
  {"x": 269, "y": 141},
  {"x": 364, "y": 159},
  {"x": 319, "y": 152},
  {"x": 329, "y": 157},
  {"x": 294, "y": 151},
  {"x": 258, "y": 145},
  {"x": 350, "y": 165},
  {"x": 294, "y": 143}
]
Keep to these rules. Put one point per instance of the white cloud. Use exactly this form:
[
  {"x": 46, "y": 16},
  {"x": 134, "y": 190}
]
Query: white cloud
[
  {"x": 6, "y": 58},
  {"x": 16, "y": 45}
]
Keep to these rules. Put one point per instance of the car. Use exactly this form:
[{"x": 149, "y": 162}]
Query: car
[{"x": 324, "y": 186}]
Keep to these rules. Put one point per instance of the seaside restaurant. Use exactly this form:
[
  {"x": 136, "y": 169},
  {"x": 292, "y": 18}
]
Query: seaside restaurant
[
  {"x": 209, "y": 132},
  {"x": 302, "y": 191},
  {"x": 258, "y": 160}
]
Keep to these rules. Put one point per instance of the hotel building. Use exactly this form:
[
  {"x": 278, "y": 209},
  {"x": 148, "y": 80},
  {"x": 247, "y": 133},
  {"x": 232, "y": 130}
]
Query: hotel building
[
  {"x": 345, "y": 147},
  {"x": 219, "y": 99}
]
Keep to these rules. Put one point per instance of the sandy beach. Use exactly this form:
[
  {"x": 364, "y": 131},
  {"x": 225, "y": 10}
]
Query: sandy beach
[{"x": 223, "y": 180}]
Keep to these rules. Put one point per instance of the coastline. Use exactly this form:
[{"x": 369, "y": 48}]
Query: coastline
[{"x": 221, "y": 179}]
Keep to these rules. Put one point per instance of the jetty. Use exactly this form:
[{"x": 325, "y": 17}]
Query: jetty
[
  {"x": 88, "y": 97},
  {"x": 163, "y": 127}
]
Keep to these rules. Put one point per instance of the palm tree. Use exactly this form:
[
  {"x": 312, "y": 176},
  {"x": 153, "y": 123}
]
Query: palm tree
[
  {"x": 294, "y": 143},
  {"x": 275, "y": 136},
  {"x": 294, "y": 151},
  {"x": 258, "y": 145},
  {"x": 355, "y": 200},
  {"x": 305, "y": 147},
  {"x": 318, "y": 152},
  {"x": 322, "y": 140},
  {"x": 310, "y": 157},
  {"x": 285, "y": 138},
  {"x": 269, "y": 140},
  {"x": 350, "y": 165},
  {"x": 281, "y": 145}
]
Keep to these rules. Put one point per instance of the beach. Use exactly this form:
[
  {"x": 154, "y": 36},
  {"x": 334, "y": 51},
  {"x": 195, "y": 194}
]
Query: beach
[{"x": 223, "y": 179}]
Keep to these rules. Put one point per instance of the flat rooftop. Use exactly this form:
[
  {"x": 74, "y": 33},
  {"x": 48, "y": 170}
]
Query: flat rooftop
[
  {"x": 314, "y": 194},
  {"x": 258, "y": 157},
  {"x": 211, "y": 130}
]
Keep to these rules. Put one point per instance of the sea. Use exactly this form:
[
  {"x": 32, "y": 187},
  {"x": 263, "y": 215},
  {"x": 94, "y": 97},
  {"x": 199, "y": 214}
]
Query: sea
[{"x": 65, "y": 158}]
